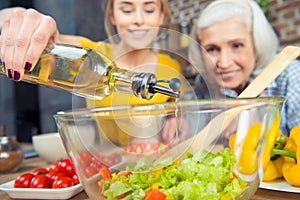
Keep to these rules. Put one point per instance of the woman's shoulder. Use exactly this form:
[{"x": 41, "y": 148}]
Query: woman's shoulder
[
  {"x": 167, "y": 60},
  {"x": 292, "y": 70},
  {"x": 100, "y": 46}
]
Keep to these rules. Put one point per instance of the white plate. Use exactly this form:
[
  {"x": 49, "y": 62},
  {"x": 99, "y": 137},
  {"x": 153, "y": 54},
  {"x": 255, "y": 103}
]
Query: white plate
[
  {"x": 279, "y": 185},
  {"x": 31, "y": 193}
]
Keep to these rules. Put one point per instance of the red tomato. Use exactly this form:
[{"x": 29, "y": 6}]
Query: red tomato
[
  {"x": 56, "y": 176},
  {"x": 105, "y": 173},
  {"x": 66, "y": 166},
  {"x": 75, "y": 179},
  {"x": 40, "y": 171},
  {"x": 63, "y": 182},
  {"x": 40, "y": 181},
  {"x": 23, "y": 181},
  {"x": 96, "y": 163},
  {"x": 84, "y": 159},
  {"x": 155, "y": 195},
  {"x": 54, "y": 167},
  {"x": 90, "y": 171},
  {"x": 50, "y": 174}
]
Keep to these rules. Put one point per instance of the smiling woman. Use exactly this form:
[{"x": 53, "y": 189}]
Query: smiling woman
[
  {"x": 137, "y": 23},
  {"x": 237, "y": 43}
]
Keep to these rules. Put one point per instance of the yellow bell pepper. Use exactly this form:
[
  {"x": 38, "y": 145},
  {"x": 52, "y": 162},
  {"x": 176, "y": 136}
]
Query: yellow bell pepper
[
  {"x": 291, "y": 168},
  {"x": 247, "y": 160},
  {"x": 273, "y": 169},
  {"x": 270, "y": 142},
  {"x": 272, "y": 165}
]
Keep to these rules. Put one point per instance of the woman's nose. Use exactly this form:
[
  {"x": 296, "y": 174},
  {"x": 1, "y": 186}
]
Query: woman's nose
[
  {"x": 224, "y": 60},
  {"x": 139, "y": 18}
]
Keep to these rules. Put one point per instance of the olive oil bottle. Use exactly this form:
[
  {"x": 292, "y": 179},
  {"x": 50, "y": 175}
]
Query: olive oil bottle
[{"x": 90, "y": 74}]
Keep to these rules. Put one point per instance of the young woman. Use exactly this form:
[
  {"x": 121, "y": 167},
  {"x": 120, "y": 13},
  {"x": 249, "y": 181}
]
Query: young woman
[
  {"x": 27, "y": 32},
  {"x": 237, "y": 43},
  {"x": 136, "y": 22}
]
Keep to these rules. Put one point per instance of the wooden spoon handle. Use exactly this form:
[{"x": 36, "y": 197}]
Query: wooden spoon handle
[{"x": 282, "y": 61}]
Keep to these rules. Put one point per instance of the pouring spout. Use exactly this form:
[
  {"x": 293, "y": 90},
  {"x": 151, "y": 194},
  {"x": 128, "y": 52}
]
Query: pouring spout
[
  {"x": 145, "y": 85},
  {"x": 173, "y": 90}
]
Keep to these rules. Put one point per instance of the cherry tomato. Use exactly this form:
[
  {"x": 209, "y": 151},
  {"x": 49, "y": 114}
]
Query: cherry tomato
[
  {"x": 96, "y": 163},
  {"x": 40, "y": 181},
  {"x": 84, "y": 159},
  {"x": 40, "y": 171},
  {"x": 155, "y": 195},
  {"x": 66, "y": 166},
  {"x": 56, "y": 176},
  {"x": 63, "y": 182},
  {"x": 54, "y": 167},
  {"x": 75, "y": 179},
  {"x": 23, "y": 181},
  {"x": 90, "y": 171}
]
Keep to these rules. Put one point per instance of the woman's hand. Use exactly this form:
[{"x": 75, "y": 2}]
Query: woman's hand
[
  {"x": 24, "y": 36},
  {"x": 169, "y": 130}
]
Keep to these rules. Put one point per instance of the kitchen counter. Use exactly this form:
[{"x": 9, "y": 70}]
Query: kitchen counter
[{"x": 33, "y": 163}]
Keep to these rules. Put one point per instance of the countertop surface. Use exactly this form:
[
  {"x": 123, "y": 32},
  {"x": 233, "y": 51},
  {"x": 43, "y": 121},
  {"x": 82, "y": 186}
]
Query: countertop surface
[{"x": 32, "y": 163}]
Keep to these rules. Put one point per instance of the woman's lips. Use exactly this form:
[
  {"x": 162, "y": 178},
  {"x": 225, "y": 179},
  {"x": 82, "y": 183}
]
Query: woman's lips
[
  {"x": 138, "y": 33},
  {"x": 227, "y": 76}
]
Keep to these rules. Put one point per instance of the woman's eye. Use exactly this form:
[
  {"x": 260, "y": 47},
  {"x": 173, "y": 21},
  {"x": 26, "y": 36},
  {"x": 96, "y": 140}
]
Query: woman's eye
[
  {"x": 150, "y": 11},
  {"x": 126, "y": 11},
  {"x": 237, "y": 45},
  {"x": 211, "y": 49}
]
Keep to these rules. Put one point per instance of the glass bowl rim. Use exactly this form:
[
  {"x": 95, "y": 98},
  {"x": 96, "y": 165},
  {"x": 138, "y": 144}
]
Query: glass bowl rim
[{"x": 277, "y": 100}]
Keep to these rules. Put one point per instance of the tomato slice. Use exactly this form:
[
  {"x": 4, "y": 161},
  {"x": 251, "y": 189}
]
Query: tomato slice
[
  {"x": 105, "y": 172},
  {"x": 155, "y": 195}
]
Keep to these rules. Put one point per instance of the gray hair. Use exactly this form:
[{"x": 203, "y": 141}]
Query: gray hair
[{"x": 265, "y": 40}]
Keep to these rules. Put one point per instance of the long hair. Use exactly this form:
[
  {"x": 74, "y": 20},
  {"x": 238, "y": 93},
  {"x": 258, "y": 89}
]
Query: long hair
[{"x": 265, "y": 40}]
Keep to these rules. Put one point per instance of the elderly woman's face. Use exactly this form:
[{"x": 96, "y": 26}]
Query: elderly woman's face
[{"x": 229, "y": 56}]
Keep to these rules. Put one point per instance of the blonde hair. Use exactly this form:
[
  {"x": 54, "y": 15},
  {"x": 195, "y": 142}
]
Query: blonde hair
[
  {"x": 109, "y": 27},
  {"x": 265, "y": 40}
]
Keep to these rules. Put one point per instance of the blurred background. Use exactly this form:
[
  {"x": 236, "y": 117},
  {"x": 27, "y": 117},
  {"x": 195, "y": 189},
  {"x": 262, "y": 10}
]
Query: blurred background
[{"x": 27, "y": 109}]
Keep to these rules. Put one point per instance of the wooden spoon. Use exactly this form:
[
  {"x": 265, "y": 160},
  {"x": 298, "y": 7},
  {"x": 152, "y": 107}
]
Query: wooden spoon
[
  {"x": 222, "y": 120},
  {"x": 282, "y": 61}
]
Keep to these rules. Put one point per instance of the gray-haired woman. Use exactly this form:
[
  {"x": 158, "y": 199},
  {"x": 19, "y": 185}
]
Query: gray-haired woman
[{"x": 237, "y": 42}]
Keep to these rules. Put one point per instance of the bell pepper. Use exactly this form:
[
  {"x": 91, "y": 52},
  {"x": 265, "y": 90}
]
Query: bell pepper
[
  {"x": 291, "y": 168},
  {"x": 273, "y": 169},
  {"x": 284, "y": 150},
  {"x": 270, "y": 142},
  {"x": 273, "y": 166},
  {"x": 247, "y": 160}
]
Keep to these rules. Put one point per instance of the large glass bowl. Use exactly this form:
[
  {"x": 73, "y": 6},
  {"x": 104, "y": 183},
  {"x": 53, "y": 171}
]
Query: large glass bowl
[{"x": 118, "y": 137}]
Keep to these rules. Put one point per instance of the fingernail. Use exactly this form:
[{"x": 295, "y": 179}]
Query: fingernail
[
  {"x": 16, "y": 76},
  {"x": 28, "y": 66},
  {"x": 10, "y": 74}
]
